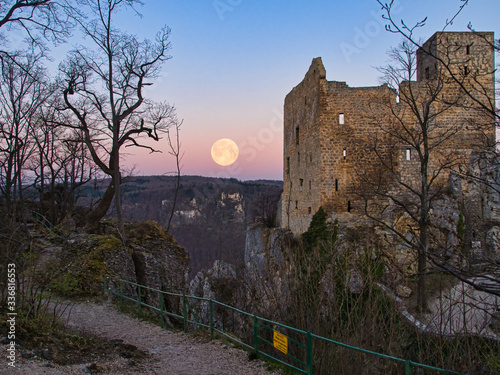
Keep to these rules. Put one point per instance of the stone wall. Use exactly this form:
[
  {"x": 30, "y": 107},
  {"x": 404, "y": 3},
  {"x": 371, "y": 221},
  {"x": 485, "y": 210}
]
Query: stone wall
[
  {"x": 331, "y": 130},
  {"x": 301, "y": 165}
]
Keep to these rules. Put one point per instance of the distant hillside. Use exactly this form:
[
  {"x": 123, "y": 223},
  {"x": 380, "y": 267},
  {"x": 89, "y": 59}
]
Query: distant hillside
[{"x": 211, "y": 214}]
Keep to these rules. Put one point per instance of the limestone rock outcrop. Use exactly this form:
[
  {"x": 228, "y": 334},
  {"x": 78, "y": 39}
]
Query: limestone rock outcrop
[
  {"x": 151, "y": 257},
  {"x": 268, "y": 263},
  {"x": 220, "y": 283}
]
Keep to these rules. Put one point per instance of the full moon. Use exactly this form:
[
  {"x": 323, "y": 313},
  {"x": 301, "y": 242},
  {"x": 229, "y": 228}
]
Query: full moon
[{"x": 224, "y": 152}]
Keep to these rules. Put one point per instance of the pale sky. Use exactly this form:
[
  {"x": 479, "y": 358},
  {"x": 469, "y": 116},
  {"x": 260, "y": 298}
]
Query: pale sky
[{"x": 234, "y": 61}]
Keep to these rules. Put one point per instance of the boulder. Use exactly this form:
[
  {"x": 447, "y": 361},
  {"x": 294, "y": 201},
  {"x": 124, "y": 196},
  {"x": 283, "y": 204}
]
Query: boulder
[
  {"x": 152, "y": 258},
  {"x": 403, "y": 291},
  {"x": 219, "y": 283},
  {"x": 354, "y": 281},
  {"x": 492, "y": 250},
  {"x": 268, "y": 263}
]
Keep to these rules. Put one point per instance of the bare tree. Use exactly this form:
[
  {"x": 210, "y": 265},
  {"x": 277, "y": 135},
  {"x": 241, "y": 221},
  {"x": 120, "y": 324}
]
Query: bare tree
[
  {"x": 103, "y": 90},
  {"x": 23, "y": 89},
  {"x": 175, "y": 151},
  {"x": 417, "y": 125},
  {"x": 265, "y": 209},
  {"x": 39, "y": 19},
  {"x": 451, "y": 83},
  {"x": 474, "y": 87},
  {"x": 61, "y": 163}
]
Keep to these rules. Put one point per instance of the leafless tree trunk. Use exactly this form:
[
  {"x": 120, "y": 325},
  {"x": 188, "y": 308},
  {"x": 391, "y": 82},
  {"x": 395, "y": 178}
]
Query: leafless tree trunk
[
  {"x": 61, "y": 166},
  {"x": 416, "y": 125},
  {"x": 175, "y": 151},
  {"x": 121, "y": 115},
  {"x": 23, "y": 89},
  {"x": 476, "y": 96}
]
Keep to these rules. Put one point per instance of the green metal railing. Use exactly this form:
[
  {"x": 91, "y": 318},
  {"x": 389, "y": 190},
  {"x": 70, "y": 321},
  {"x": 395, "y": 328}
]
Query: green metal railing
[{"x": 292, "y": 352}]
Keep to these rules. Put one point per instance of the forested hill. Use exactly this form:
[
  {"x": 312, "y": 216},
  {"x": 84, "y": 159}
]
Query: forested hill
[{"x": 211, "y": 214}]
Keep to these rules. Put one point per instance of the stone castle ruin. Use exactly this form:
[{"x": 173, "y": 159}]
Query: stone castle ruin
[{"x": 336, "y": 136}]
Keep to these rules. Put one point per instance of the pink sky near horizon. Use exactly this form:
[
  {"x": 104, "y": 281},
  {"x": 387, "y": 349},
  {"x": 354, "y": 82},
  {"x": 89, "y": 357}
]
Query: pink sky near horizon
[{"x": 260, "y": 152}]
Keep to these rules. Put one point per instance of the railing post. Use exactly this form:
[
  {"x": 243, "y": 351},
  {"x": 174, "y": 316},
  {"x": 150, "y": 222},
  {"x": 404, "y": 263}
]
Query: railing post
[
  {"x": 211, "y": 319},
  {"x": 121, "y": 295},
  {"x": 184, "y": 311},
  {"x": 140, "y": 301},
  {"x": 309, "y": 354},
  {"x": 255, "y": 335},
  {"x": 407, "y": 367},
  {"x": 162, "y": 322}
]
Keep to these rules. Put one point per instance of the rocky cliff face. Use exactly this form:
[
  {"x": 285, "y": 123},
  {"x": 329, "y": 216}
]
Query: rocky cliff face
[
  {"x": 485, "y": 188},
  {"x": 219, "y": 283},
  {"x": 262, "y": 287},
  {"x": 268, "y": 262},
  {"x": 465, "y": 232}
]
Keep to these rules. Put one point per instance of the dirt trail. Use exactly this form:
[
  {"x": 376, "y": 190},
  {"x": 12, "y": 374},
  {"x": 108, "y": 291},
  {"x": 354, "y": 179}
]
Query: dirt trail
[{"x": 168, "y": 352}]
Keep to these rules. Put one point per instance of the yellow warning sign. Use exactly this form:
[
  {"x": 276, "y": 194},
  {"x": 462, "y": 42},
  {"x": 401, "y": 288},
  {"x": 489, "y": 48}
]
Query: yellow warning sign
[{"x": 280, "y": 342}]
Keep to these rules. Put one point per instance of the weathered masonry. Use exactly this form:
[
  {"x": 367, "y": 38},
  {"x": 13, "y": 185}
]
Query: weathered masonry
[{"x": 329, "y": 127}]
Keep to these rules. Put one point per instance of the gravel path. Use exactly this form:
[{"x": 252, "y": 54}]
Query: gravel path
[{"x": 168, "y": 352}]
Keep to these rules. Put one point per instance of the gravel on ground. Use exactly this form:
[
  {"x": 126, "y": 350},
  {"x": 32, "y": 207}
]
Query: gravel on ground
[{"x": 167, "y": 352}]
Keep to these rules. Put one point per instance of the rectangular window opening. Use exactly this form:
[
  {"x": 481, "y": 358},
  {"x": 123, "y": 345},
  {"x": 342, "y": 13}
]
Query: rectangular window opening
[
  {"x": 297, "y": 132},
  {"x": 301, "y": 182},
  {"x": 427, "y": 73},
  {"x": 467, "y": 49},
  {"x": 336, "y": 185},
  {"x": 466, "y": 70},
  {"x": 311, "y": 157},
  {"x": 288, "y": 165},
  {"x": 298, "y": 157},
  {"x": 408, "y": 154},
  {"x": 349, "y": 206},
  {"x": 341, "y": 118},
  {"x": 344, "y": 153},
  {"x": 296, "y": 205},
  {"x": 310, "y": 184},
  {"x": 309, "y": 210}
]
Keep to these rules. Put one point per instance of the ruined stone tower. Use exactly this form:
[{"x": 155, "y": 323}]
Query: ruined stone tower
[{"x": 328, "y": 127}]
